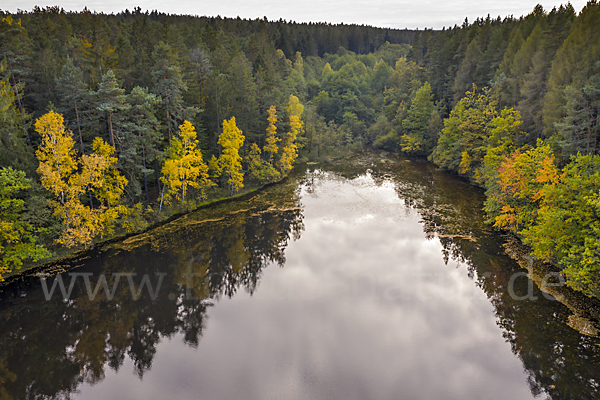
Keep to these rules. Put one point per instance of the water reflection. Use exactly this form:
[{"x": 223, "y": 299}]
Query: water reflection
[
  {"x": 347, "y": 294},
  {"x": 561, "y": 362},
  {"x": 48, "y": 348}
]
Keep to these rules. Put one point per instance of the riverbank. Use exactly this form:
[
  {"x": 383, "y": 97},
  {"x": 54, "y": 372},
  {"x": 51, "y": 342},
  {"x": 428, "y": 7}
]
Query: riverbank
[
  {"x": 366, "y": 224},
  {"x": 68, "y": 260},
  {"x": 586, "y": 310}
]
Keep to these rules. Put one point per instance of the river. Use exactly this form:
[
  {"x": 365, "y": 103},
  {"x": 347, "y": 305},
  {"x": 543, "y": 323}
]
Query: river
[{"x": 373, "y": 277}]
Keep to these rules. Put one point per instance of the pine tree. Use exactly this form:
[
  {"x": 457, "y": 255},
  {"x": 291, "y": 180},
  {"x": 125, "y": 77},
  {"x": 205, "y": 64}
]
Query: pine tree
[
  {"x": 73, "y": 95},
  {"x": 15, "y": 50},
  {"x": 169, "y": 85},
  {"x": 13, "y": 147},
  {"x": 465, "y": 76},
  {"x": 92, "y": 49},
  {"x": 243, "y": 94},
  {"x": 142, "y": 145},
  {"x": 113, "y": 103},
  {"x": 202, "y": 68}
]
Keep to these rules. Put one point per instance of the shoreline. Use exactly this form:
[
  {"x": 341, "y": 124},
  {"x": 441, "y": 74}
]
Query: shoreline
[
  {"x": 68, "y": 261},
  {"x": 586, "y": 310}
]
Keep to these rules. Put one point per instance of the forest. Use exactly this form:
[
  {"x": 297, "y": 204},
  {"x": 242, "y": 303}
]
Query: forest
[{"x": 113, "y": 122}]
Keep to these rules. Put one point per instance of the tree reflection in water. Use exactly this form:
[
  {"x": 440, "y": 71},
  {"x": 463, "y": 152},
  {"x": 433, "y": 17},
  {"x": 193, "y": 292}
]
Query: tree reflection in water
[
  {"x": 49, "y": 348},
  {"x": 561, "y": 362}
]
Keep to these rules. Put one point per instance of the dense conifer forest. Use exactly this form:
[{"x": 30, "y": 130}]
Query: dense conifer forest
[{"x": 111, "y": 122}]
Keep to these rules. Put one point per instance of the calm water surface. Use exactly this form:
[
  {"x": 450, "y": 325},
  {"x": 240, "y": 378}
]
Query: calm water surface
[{"x": 370, "y": 278}]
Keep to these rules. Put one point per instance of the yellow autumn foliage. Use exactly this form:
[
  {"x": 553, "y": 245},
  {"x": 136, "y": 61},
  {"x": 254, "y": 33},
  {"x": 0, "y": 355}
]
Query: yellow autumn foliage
[
  {"x": 68, "y": 179},
  {"x": 231, "y": 139},
  {"x": 271, "y": 139},
  {"x": 112, "y": 185},
  {"x": 184, "y": 167},
  {"x": 289, "y": 152}
]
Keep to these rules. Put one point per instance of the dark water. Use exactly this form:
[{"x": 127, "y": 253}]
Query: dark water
[{"x": 366, "y": 279}]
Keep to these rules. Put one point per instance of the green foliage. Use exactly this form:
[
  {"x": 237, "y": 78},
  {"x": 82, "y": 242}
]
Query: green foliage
[
  {"x": 381, "y": 76},
  {"x": 402, "y": 87},
  {"x": 568, "y": 224},
  {"x": 141, "y": 140},
  {"x": 13, "y": 147},
  {"x": 382, "y": 133},
  {"x": 169, "y": 85},
  {"x": 113, "y": 106},
  {"x": 260, "y": 170},
  {"x": 501, "y": 143},
  {"x": 573, "y": 64},
  {"x": 74, "y": 98},
  {"x": 18, "y": 238},
  {"x": 361, "y": 86},
  {"x": 416, "y": 140},
  {"x": 462, "y": 144},
  {"x": 579, "y": 131}
]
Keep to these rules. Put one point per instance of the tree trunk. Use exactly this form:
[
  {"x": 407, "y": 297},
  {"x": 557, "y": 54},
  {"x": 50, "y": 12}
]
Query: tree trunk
[
  {"x": 218, "y": 118},
  {"x": 157, "y": 168},
  {"x": 18, "y": 101},
  {"x": 161, "y": 200},
  {"x": 110, "y": 129},
  {"x": 168, "y": 122},
  {"x": 79, "y": 128},
  {"x": 145, "y": 177},
  {"x": 183, "y": 189}
]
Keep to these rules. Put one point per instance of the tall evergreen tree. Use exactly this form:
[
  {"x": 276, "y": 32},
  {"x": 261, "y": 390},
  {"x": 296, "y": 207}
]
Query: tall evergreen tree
[
  {"x": 112, "y": 104},
  {"x": 169, "y": 85},
  {"x": 573, "y": 65},
  {"x": 579, "y": 131},
  {"x": 74, "y": 97},
  {"x": 243, "y": 92},
  {"x": 141, "y": 139},
  {"x": 15, "y": 50},
  {"x": 13, "y": 147}
]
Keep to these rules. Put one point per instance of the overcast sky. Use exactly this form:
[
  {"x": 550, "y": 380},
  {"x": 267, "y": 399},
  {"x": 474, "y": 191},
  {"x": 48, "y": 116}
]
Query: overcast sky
[{"x": 383, "y": 13}]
